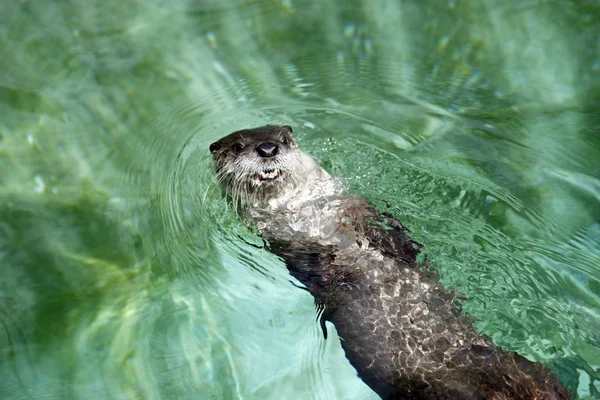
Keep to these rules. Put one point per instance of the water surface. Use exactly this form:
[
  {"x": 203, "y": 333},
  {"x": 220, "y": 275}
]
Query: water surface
[{"x": 124, "y": 272}]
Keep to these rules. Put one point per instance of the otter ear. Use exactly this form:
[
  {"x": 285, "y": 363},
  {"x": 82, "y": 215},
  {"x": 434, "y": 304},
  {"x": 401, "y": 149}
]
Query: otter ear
[
  {"x": 287, "y": 128},
  {"x": 216, "y": 146}
]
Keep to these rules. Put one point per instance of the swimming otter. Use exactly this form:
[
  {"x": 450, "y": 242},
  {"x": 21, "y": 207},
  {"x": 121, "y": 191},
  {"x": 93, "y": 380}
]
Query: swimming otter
[{"x": 399, "y": 327}]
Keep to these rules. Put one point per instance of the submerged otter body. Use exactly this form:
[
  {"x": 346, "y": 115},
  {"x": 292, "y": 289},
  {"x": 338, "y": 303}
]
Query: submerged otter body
[{"x": 399, "y": 327}]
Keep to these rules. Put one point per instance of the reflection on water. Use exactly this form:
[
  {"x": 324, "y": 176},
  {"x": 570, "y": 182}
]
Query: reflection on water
[{"x": 126, "y": 275}]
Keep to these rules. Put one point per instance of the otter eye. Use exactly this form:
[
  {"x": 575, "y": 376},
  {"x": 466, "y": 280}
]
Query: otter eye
[
  {"x": 237, "y": 147},
  {"x": 216, "y": 146},
  {"x": 285, "y": 140}
]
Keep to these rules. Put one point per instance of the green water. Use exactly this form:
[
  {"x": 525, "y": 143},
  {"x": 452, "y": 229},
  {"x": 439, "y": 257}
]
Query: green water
[{"x": 125, "y": 275}]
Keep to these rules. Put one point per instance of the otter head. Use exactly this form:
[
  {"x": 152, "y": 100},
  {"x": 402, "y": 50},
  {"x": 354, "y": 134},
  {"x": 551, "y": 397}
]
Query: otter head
[{"x": 260, "y": 163}]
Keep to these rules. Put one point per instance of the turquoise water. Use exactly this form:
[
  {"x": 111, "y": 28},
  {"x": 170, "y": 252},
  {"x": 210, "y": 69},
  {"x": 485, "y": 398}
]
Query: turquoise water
[{"x": 125, "y": 274}]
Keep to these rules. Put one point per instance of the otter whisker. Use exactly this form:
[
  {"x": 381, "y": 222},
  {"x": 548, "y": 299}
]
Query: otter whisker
[{"x": 210, "y": 184}]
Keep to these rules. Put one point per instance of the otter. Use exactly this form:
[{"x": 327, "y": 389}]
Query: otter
[{"x": 399, "y": 327}]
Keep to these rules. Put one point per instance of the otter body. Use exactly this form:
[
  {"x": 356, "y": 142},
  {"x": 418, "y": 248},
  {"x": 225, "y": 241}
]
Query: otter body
[{"x": 399, "y": 327}]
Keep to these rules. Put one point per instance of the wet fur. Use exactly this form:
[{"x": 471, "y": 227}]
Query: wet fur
[{"x": 399, "y": 327}]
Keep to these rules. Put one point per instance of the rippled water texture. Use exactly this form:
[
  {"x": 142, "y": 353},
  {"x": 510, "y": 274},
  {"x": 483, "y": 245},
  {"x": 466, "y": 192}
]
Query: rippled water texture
[{"x": 124, "y": 272}]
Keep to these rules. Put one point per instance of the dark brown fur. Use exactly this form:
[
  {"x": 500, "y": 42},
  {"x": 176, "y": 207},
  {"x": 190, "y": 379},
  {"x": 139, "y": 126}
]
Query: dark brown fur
[{"x": 399, "y": 327}]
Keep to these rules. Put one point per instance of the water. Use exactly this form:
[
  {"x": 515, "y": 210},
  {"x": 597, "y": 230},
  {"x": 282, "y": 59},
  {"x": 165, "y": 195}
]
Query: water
[{"x": 125, "y": 274}]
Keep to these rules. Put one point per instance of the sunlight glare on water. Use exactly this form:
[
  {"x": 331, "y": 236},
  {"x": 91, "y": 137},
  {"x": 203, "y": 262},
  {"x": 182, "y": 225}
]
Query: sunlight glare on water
[{"x": 125, "y": 272}]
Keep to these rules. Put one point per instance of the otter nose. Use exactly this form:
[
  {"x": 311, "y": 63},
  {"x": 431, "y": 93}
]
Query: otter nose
[{"x": 267, "y": 149}]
